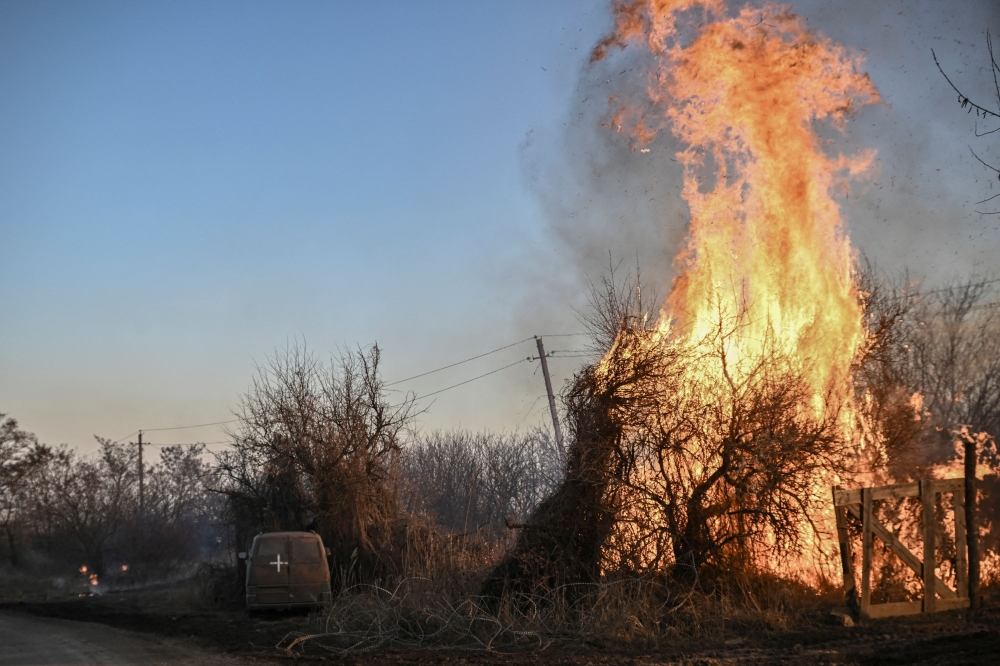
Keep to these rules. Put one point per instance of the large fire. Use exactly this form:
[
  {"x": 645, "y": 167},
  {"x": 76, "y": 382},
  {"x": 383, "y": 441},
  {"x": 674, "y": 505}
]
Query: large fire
[
  {"x": 766, "y": 237},
  {"x": 768, "y": 267}
]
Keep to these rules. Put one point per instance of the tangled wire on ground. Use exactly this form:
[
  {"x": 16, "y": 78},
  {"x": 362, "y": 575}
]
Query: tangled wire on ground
[{"x": 371, "y": 617}]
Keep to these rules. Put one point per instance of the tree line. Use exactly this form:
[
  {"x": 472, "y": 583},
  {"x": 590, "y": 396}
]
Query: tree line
[{"x": 322, "y": 445}]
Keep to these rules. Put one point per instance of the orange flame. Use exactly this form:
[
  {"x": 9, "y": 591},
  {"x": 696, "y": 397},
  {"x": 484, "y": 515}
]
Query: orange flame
[
  {"x": 766, "y": 243},
  {"x": 766, "y": 234}
]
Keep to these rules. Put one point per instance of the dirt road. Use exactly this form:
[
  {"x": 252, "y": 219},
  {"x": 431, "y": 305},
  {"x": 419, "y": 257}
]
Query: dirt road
[{"x": 36, "y": 641}]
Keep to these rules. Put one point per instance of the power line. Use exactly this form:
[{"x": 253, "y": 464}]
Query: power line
[
  {"x": 126, "y": 436},
  {"x": 186, "y": 444},
  {"x": 448, "y": 388},
  {"x": 430, "y": 372},
  {"x": 400, "y": 381},
  {"x": 188, "y": 427}
]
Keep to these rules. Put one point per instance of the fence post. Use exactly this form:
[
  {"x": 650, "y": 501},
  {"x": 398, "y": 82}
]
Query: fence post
[
  {"x": 929, "y": 500},
  {"x": 961, "y": 545},
  {"x": 866, "y": 550},
  {"x": 846, "y": 561},
  {"x": 971, "y": 521}
]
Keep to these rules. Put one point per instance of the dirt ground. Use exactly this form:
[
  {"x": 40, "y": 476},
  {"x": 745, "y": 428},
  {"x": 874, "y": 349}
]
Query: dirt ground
[
  {"x": 27, "y": 640},
  {"x": 944, "y": 638}
]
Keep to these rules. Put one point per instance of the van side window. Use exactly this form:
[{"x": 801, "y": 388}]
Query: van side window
[
  {"x": 266, "y": 547},
  {"x": 305, "y": 550}
]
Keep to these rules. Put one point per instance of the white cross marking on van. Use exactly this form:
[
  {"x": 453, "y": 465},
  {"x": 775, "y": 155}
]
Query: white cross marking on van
[{"x": 279, "y": 563}]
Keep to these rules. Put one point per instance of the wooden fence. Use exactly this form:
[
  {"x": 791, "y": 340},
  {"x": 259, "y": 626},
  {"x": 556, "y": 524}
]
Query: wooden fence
[{"x": 937, "y": 595}]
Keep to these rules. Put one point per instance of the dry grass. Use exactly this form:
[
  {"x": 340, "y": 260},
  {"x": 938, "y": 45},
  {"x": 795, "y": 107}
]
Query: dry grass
[{"x": 626, "y": 613}]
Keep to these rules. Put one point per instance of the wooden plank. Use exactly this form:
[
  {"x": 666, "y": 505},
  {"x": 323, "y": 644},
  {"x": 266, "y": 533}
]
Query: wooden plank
[
  {"x": 952, "y": 604},
  {"x": 842, "y": 497},
  {"x": 896, "y": 490},
  {"x": 866, "y": 550},
  {"x": 950, "y": 485},
  {"x": 928, "y": 499},
  {"x": 895, "y": 609},
  {"x": 845, "y": 497},
  {"x": 961, "y": 557},
  {"x": 904, "y": 553},
  {"x": 846, "y": 561}
]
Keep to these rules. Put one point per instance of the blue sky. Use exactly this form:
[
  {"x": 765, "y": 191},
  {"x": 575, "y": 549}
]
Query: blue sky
[{"x": 185, "y": 187}]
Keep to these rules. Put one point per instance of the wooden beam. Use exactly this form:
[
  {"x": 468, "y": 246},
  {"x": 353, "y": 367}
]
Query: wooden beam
[
  {"x": 846, "y": 560},
  {"x": 843, "y": 497},
  {"x": 894, "y": 609},
  {"x": 866, "y": 550},
  {"x": 898, "y": 608},
  {"x": 972, "y": 520},
  {"x": 951, "y": 604},
  {"x": 928, "y": 499},
  {"x": 949, "y": 485},
  {"x": 896, "y": 490},
  {"x": 846, "y": 497},
  {"x": 961, "y": 557}
]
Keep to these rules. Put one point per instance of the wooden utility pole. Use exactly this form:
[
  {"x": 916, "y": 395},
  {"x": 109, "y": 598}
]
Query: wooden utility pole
[
  {"x": 552, "y": 398},
  {"x": 141, "y": 497},
  {"x": 971, "y": 523}
]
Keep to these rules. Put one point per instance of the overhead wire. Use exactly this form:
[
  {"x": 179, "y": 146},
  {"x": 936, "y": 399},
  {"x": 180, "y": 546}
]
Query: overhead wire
[
  {"x": 184, "y": 443},
  {"x": 452, "y": 365},
  {"x": 126, "y": 436},
  {"x": 399, "y": 381},
  {"x": 188, "y": 427},
  {"x": 487, "y": 374}
]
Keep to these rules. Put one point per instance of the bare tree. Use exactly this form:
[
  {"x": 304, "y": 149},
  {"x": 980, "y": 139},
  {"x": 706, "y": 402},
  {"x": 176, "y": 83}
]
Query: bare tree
[
  {"x": 21, "y": 456},
  {"x": 317, "y": 447},
  {"x": 980, "y": 110},
  {"x": 92, "y": 499},
  {"x": 464, "y": 481}
]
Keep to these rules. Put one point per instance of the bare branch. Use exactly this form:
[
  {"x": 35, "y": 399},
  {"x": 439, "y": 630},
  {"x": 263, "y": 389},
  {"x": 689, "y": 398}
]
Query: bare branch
[{"x": 962, "y": 99}]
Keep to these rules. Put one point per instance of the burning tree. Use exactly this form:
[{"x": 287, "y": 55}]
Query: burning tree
[
  {"x": 717, "y": 428},
  {"x": 729, "y": 465}
]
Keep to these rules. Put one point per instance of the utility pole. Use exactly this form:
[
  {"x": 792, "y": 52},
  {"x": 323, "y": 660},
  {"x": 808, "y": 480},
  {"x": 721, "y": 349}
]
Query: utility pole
[
  {"x": 552, "y": 398},
  {"x": 141, "y": 498}
]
